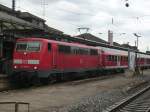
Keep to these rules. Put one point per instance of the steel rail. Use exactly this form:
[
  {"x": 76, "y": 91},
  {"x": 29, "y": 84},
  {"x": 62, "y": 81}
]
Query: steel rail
[{"x": 119, "y": 105}]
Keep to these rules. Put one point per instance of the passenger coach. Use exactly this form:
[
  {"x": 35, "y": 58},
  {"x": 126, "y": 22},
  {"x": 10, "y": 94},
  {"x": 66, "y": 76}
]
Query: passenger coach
[{"x": 49, "y": 60}]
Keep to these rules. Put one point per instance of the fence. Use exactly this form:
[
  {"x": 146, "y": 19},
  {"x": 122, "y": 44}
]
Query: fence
[{"x": 16, "y": 106}]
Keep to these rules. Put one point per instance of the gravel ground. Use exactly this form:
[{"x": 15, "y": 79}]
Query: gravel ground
[
  {"x": 102, "y": 100},
  {"x": 97, "y": 102},
  {"x": 91, "y": 96}
]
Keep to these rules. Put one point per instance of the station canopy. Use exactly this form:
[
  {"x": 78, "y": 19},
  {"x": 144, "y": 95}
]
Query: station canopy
[{"x": 11, "y": 22}]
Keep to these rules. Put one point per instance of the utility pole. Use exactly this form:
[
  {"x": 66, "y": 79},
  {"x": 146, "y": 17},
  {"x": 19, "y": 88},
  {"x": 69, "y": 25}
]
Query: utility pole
[
  {"x": 83, "y": 28},
  {"x": 13, "y": 5},
  {"x": 137, "y": 67},
  {"x": 137, "y": 36},
  {"x": 44, "y": 7}
]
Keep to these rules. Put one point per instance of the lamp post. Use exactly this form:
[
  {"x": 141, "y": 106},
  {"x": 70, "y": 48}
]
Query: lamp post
[
  {"x": 137, "y": 69},
  {"x": 137, "y": 36}
]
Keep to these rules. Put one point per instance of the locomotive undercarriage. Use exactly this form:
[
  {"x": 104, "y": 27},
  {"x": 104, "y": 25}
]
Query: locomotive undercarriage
[
  {"x": 24, "y": 79},
  {"x": 30, "y": 78}
]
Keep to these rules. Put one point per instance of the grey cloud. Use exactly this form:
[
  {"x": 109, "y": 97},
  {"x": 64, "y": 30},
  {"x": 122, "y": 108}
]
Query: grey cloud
[{"x": 96, "y": 14}]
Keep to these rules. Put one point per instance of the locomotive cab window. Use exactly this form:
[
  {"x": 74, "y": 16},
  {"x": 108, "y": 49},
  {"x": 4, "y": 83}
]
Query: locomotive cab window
[
  {"x": 33, "y": 46},
  {"x": 21, "y": 46},
  {"x": 28, "y": 46}
]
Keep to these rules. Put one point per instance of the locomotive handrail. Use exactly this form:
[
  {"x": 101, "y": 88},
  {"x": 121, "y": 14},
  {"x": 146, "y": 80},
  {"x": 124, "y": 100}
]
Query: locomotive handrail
[{"x": 17, "y": 105}]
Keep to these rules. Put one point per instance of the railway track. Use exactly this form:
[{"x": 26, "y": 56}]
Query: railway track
[
  {"x": 139, "y": 102},
  {"x": 68, "y": 82}
]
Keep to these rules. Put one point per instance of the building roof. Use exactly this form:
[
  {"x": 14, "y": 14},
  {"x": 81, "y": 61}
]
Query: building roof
[
  {"x": 52, "y": 30},
  {"x": 17, "y": 20},
  {"x": 29, "y": 15},
  {"x": 6, "y": 9},
  {"x": 89, "y": 36},
  {"x": 129, "y": 47},
  {"x": 9, "y": 19}
]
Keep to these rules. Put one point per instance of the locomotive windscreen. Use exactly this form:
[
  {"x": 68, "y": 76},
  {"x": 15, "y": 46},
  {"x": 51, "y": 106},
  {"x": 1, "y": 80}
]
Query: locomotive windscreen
[{"x": 28, "y": 46}]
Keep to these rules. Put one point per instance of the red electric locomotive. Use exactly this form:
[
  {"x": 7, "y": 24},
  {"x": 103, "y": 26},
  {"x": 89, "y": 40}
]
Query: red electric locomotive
[
  {"x": 48, "y": 59},
  {"x": 38, "y": 58}
]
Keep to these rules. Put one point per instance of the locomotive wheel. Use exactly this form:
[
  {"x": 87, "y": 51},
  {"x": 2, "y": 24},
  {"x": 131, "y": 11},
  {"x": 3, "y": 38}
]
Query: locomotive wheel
[
  {"x": 52, "y": 78},
  {"x": 25, "y": 80},
  {"x": 35, "y": 81},
  {"x": 44, "y": 81}
]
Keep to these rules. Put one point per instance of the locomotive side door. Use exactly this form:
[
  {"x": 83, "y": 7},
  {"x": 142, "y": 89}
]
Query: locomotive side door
[
  {"x": 104, "y": 59},
  {"x": 54, "y": 56},
  {"x": 100, "y": 58},
  {"x": 118, "y": 60}
]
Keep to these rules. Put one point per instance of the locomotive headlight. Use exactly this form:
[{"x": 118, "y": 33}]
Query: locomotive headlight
[
  {"x": 15, "y": 67},
  {"x": 35, "y": 68}
]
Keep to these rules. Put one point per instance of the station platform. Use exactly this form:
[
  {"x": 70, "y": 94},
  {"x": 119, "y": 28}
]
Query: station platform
[
  {"x": 3, "y": 75},
  {"x": 4, "y": 82}
]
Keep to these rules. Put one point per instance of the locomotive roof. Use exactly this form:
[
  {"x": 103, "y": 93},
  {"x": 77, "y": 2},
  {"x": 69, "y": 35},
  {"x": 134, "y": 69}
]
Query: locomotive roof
[
  {"x": 78, "y": 44},
  {"x": 59, "y": 42}
]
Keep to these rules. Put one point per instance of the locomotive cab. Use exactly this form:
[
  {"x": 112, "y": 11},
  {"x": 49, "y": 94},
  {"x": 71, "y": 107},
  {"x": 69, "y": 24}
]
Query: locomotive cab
[
  {"x": 31, "y": 59},
  {"x": 27, "y": 55}
]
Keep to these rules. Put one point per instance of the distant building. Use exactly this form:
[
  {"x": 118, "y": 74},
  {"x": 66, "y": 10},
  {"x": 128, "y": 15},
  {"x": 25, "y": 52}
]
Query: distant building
[
  {"x": 7, "y": 10},
  {"x": 52, "y": 30},
  {"x": 88, "y": 36},
  {"x": 148, "y": 52},
  {"x": 32, "y": 19},
  {"x": 129, "y": 47},
  {"x": 17, "y": 24},
  {"x": 28, "y": 17}
]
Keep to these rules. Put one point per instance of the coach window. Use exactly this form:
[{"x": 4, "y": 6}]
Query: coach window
[
  {"x": 115, "y": 58},
  {"x": 49, "y": 47},
  {"x": 121, "y": 58},
  {"x": 127, "y": 58},
  {"x": 118, "y": 58},
  {"x": 109, "y": 57}
]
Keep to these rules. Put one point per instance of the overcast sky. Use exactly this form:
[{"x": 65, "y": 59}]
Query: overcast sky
[{"x": 68, "y": 15}]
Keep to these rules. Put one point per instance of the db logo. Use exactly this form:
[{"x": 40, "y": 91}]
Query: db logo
[{"x": 25, "y": 61}]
